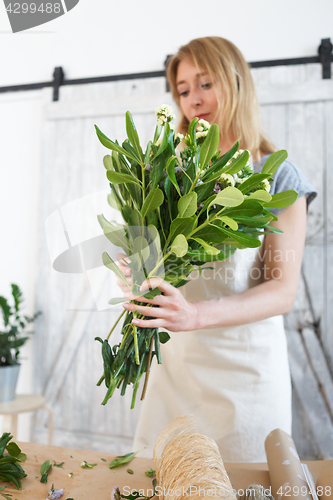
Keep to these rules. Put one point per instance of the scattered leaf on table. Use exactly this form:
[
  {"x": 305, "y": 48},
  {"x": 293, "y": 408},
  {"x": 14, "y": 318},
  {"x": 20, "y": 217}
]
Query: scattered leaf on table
[
  {"x": 58, "y": 465},
  {"x": 44, "y": 470},
  {"x": 124, "y": 459},
  {"x": 85, "y": 465},
  {"x": 130, "y": 471},
  {"x": 150, "y": 472}
]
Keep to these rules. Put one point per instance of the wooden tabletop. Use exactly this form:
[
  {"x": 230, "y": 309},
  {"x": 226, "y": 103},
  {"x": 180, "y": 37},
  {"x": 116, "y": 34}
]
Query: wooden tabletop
[{"x": 98, "y": 482}]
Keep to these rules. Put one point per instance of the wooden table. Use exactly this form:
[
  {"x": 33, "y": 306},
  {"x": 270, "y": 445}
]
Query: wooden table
[
  {"x": 97, "y": 483},
  {"x": 21, "y": 404}
]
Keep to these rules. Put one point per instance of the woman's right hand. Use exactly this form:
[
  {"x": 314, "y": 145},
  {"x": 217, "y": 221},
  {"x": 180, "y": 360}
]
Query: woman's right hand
[{"x": 127, "y": 271}]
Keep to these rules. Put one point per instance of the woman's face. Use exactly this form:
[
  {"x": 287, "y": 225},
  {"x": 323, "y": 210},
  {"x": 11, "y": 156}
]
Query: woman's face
[{"x": 196, "y": 92}]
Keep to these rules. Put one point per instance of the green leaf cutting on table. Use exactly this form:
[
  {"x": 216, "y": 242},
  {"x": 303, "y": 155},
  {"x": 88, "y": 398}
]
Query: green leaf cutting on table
[
  {"x": 124, "y": 459},
  {"x": 150, "y": 473},
  {"x": 45, "y": 470},
  {"x": 10, "y": 456},
  {"x": 85, "y": 465}
]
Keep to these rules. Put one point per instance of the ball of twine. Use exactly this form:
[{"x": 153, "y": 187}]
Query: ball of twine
[{"x": 189, "y": 464}]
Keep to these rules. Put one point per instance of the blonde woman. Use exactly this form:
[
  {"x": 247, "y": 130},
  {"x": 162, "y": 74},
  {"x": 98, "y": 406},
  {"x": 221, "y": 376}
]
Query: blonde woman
[{"x": 227, "y": 360}]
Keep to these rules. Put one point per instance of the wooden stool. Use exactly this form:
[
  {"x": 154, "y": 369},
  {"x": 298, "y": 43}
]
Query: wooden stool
[{"x": 23, "y": 403}]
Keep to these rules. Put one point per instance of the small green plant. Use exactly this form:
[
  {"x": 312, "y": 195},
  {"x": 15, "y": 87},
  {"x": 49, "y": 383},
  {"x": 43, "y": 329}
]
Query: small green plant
[
  {"x": 10, "y": 459},
  {"x": 13, "y": 333}
]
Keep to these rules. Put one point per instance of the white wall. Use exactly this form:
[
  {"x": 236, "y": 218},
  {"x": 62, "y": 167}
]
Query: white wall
[
  {"x": 108, "y": 37},
  {"x": 124, "y": 36}
]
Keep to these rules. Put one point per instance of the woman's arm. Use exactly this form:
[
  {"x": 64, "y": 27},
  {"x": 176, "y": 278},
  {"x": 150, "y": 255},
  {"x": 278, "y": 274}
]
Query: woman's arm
[{"x": 276, "y": 295}]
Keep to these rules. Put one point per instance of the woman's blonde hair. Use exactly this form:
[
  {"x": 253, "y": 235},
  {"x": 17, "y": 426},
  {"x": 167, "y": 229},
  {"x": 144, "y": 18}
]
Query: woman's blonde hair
[{"x": 238, "y": 107}]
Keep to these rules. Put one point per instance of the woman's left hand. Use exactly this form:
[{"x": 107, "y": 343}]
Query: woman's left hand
[{"x": 174, "y": 312}]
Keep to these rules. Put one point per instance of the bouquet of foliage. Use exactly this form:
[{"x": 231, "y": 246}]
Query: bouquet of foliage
[{"x": 180, "y": 212}]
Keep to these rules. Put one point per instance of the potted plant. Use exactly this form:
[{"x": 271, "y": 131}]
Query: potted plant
[{"x": 13, "y": 335}]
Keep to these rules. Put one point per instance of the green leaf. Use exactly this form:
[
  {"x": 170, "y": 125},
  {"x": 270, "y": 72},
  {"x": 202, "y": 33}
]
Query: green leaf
[
  {"x": 200, "y": 255},
  {"x": 228, "y": 197},
  {"x": 44, "y": 470},
  {"x": 150, "y": 473},
  {"x": 124, "y": 459},
  {"x": 282, "y": 200},
  {"x": 116, "y": 236},
  {"x": 242, "y": 238},
  {"x": 252, "y": 182},
  {"x": 117, "y": 300},
  {"x": 107, "y": 161},
  {"x": 274, "y": 161},
  {"x": 179, "y": 245},
  {"x": 112, "y": 145},
  {"x": 133, "y": 136},
  {"x": 217, "y": 167},
  {"x": 116, "y": 178},
  {"x": 164, "y": 337},
  {"x": 107, "y": 361},
  {"x": 135, "y": 218},
  {"x": 210, "y": 233},
  {"x": 17, "y": 295},
  {"x": 164, "y": 143},
  {"x": 238, "y": 164},
  {"x": 192, "y": 130},
  {"x": 253, "y": 221},
  {"x": 268, "y": 213},
  {"x": 187, "y": 205},
  {"x": 250, "y": 208},
  {"x": 141, "y": 247},
  {"x": 208, "y": 248},
  {"x": 170, "y": 169},
  {"x": 108, "y": 262},
  {"x": 154, "y": 200},
  {"x": 126, "y": 212},
  {"x": 181, "y": 225},
  {"x": 230, "y": 222},
  {"x": 261, "y": 195},
  {"x": 272, "y": 229},
  {"x": 85, "y": 465},
  {"x": 45, "y": 467},
  {"x": 13, "y": 449},
  {"x": 210, "y": 145}
]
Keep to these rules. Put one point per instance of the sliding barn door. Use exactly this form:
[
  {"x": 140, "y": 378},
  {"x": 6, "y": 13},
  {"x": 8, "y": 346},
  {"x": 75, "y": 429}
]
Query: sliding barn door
[{"x": 297, "y": 110}]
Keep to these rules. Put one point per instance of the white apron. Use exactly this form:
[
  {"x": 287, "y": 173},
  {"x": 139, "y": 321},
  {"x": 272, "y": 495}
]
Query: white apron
[{"x": 234, "y": 380}]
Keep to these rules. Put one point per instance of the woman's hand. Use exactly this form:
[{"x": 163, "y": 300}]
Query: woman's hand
[{"x": 173, "y": 313}]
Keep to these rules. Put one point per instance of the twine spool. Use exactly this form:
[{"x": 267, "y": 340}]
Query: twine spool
[{"x": 189, "y": 464}]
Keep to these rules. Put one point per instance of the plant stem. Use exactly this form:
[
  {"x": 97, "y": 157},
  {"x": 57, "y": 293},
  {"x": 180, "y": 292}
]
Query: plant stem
[
  {"x": 136, "y": 347},
  {"x": 116, "y": 323},
  {"x": 151, "y": 274},
  {"x": 148, "y": 369}
]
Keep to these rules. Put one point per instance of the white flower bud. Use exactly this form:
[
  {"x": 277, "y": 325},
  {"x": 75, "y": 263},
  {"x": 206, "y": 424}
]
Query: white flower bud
[
  {"x": 204, "y": 124},
  {"x": 227, "y": 179}
]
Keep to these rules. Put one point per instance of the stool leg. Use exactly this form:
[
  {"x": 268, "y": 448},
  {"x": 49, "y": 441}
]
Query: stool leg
[
  {"x": 7, "y": 425},
  {"x": 50, "y": 423},
  {"x": 10, "y": 424}
]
